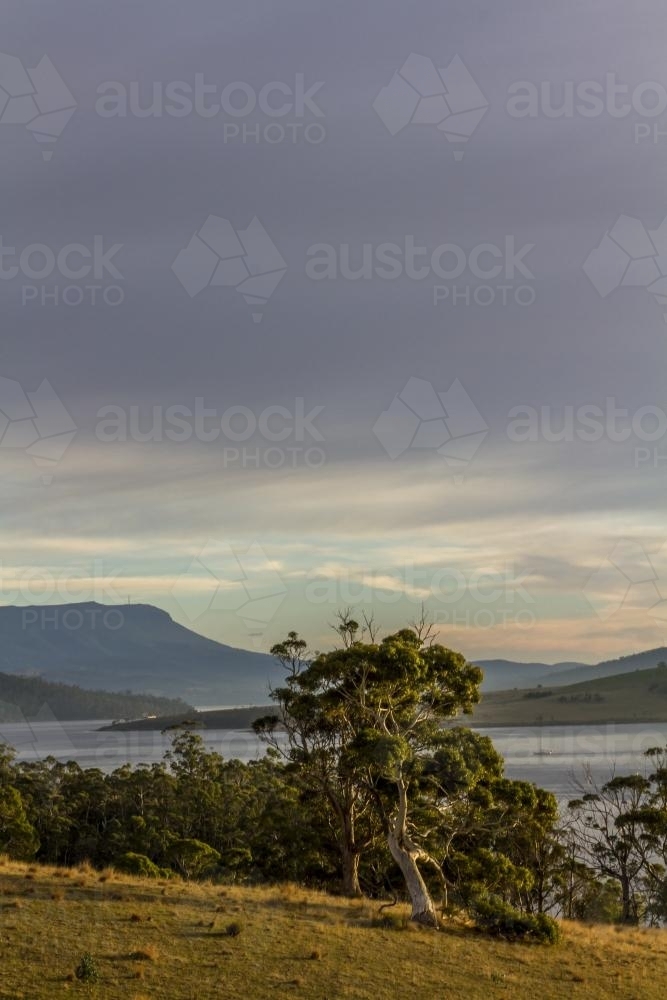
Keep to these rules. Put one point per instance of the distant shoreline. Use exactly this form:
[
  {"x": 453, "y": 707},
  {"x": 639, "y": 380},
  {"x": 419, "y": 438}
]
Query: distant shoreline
[
  {"x": 243, "y": 718},
  {"x": 226, "y": 718}
]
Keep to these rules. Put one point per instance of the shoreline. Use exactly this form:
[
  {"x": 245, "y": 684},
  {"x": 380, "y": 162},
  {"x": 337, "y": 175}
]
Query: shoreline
[{"x": 241, "y": 719}]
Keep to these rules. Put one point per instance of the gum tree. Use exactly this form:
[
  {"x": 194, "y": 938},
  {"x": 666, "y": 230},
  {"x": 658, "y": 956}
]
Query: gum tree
[
  {"x": 391, "y": 699},
  {"x": 312, "y": 731}
]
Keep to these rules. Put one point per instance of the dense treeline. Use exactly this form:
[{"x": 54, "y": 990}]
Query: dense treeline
[
  {"x": 366, "y": 794},
  {"x": 25, "y": 697},
  {"x": 199, "y": 815}
]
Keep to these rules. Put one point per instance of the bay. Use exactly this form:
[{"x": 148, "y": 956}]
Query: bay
[{"x": 560, "y": 758}]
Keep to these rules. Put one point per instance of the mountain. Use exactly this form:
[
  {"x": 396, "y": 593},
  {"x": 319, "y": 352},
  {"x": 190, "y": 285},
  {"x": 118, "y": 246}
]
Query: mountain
[
  {"x": 502, "y": 674},
  {"x": 139, "y": 648},
  {"x": 610, "y": 668},
  {"x": 499, "y": 675},
  {"x": 134, "y": 647},
  {"x": 29, "y": 697}
]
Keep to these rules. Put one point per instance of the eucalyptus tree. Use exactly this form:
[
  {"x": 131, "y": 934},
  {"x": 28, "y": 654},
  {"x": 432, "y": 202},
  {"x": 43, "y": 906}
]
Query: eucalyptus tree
[
  {"x": 313, "y": 731},
  {"x": 607, "y": 829},
  {"x": 370, "y": 716}
]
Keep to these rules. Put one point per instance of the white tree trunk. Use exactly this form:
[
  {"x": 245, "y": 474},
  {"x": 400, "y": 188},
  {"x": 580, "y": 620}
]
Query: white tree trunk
[{"x": 405, "y": 853}]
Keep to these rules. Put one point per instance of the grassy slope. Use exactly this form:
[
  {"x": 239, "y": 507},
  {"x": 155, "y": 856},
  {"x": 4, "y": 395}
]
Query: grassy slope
[
  {"x": 293, "y": 944},
  {"x": 640, "y": 696}
]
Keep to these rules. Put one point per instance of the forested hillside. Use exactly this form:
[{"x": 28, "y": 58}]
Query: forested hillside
[{"x": 25, "y": 697}]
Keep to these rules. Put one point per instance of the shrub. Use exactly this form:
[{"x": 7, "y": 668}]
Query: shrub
[
  {"x": 137, "y": 864},
  {"x": 233, "y": 929},
  {"x": 497, "y": 918},
  {"x": 194, "y": 858},
  {"x": 86, "y": 970}
]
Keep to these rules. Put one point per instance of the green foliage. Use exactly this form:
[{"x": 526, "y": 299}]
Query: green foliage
[
  {"x": 18, "y": 838},
  {"x": 598, "y": 902},
  {"x": 193, "y": 858},
  {"x": 498, "y": 919},
  {"x": 374, "y": 778},
  {"x": 137, "y": 864},
  {"x": 86, "y": 970}
]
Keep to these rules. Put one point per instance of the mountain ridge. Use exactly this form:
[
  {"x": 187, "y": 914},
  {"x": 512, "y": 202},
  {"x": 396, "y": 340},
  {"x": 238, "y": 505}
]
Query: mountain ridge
[
  {"x": 134, "y": 647},
  {"x": 139, "y": 647}
]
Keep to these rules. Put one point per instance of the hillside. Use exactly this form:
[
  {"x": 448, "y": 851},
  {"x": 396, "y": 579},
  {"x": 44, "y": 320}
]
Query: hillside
[
  {"x": 499, "y": 675},
  {"x": 502, "y": 674},
  {"x": 609, "y": 668},
  {"x": 24, "y": 698},
  {"x": 167, "y": 941},
  {"x": 639, "y": 696},
  {"x": 148, "y": 652}
]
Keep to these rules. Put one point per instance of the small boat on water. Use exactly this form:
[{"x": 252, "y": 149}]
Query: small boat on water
[{"x": 543, "y": 753}]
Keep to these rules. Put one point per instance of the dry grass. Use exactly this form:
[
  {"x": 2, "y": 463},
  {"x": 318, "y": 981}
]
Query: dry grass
[{"x": 294, "y": 944}]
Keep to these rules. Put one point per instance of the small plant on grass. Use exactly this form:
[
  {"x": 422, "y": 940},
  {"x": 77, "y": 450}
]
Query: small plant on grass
[
  {"x": 233, "y": 929},
  {"x": 497, "y": 918},
  {"x": 86, "y": 970}
]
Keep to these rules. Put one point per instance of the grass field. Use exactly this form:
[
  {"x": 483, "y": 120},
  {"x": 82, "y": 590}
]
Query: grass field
[
  {"x": 640, "y": 696},
  {"x": 169, "y": 940}
]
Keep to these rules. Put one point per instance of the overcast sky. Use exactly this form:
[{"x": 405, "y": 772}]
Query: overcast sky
[{"x": 452, "y": 438}]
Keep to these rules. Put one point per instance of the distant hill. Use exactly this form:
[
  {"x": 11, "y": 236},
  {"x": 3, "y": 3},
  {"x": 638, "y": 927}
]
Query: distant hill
[
  {"x": 149, "y": 652},
  {"x": 637, "y": 696},
  {"x": 25, "y": 697},
  {"x": 610, "y": 668},
  {"x": 502, "y": 674},
  {"x": 499, "y": 675}
]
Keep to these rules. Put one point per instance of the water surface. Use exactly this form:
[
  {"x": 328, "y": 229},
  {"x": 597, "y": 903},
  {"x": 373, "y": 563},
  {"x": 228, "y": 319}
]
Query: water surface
[{"x": 555, "y": 757}]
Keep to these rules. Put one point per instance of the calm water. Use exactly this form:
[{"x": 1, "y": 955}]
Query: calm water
[{"x": 601, "y": 748}]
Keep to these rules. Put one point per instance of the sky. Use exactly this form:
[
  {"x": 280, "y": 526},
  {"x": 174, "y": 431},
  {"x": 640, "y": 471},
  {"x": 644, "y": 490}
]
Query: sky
[{"x": 312, "y": 306}]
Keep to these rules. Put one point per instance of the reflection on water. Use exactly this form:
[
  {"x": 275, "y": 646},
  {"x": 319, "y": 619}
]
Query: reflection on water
[{"x": 551, "y": 756}]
